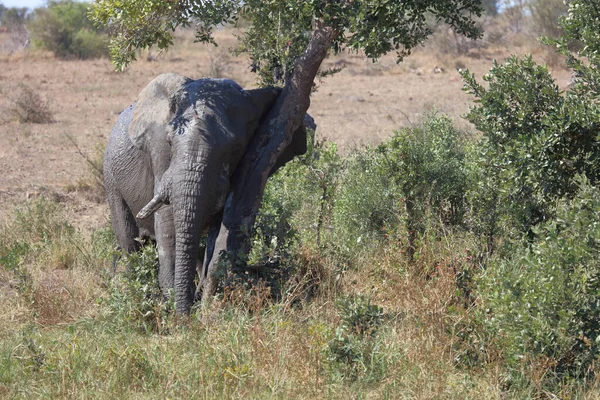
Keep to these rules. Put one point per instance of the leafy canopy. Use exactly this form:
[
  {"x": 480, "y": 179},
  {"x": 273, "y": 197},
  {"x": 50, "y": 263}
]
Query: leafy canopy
[{"x": 280, "y": 29}]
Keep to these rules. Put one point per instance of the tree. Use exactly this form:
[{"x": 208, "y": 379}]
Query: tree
[
  {"x": 581, "y": 45},
  {"x": 545, "y": 16},
  {"x": 287, "y": 40},
  {"x": 14, "y": 18},
  {"x": 490, "y": 7},
  {"x": 63, "y": 28}
]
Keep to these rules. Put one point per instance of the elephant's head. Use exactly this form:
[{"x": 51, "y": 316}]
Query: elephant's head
[{"x": 211, "y": 123}]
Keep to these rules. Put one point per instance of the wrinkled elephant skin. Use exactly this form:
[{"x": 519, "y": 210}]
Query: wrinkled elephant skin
[{"x": 168, "y": 163}]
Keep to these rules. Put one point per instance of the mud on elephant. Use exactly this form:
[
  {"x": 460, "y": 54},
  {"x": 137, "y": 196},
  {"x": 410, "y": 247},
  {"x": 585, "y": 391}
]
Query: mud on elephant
[{"x": 168, "y": 165}]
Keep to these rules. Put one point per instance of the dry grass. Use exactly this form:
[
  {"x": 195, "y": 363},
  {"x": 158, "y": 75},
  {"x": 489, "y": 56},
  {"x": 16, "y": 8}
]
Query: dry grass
[
  {"x": 51, "y": 271},
  {"x": 59, "y": 341}
]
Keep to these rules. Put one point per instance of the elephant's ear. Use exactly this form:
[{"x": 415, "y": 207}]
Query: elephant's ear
[
  {"x": 154, "y": 110},
  {"x": 263, "y": 98}
]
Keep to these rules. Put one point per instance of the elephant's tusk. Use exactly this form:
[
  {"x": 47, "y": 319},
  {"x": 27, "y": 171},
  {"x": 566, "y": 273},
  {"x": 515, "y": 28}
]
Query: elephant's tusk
[{"x": 151, "y": 207}]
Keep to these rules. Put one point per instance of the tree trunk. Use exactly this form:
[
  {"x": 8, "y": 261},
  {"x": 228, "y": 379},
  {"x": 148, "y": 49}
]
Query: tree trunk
[{"x": 273, "y": 136}]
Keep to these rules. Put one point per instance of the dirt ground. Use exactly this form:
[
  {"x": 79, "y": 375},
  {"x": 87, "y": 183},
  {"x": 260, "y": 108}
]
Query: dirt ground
[{"x": 361, "y": 105}]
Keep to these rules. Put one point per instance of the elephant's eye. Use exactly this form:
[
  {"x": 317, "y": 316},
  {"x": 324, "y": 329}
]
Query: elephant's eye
[{"x": 179, "y": 125}]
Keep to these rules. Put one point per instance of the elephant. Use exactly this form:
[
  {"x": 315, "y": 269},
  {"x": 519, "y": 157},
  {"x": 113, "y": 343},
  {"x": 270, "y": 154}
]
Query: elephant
[{"x": 168, "y": 165}]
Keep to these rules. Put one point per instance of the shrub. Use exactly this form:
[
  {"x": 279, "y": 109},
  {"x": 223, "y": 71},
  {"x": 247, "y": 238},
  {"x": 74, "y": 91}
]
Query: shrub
[
  {"x": 273, "y": 232},
  {"x": 355, "y": 351},
  {"x": 135, "y": 298},
  {"x": 357, "y": 202},
  {"x": 427, "y": 166},
  {"x": 581, "y": 45},
  {"x": 64, "y": 29},
  {"x": 535, "y": 141},
  {"x": 294, "y": 216},
  {"x": 27, "y": 106},
  {"x": 545, "y": 16},
  {"x": 88, "y": 44},
  {"x": 305, "y": 190},
  {"x": 543, "y": 301},
  {"x": 365, "y": 203},
  {"x": 14, "y": 18}
]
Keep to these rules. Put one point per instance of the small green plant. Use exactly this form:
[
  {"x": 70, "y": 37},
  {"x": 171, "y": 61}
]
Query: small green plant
[
  {"x": 359, "y": 316},
  {"x": 11, "y": 258},
  {"x": 135, "y": 297},
  {"x": 355, "y": 349}
]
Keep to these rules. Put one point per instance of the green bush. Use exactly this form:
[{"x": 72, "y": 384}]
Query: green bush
[
  {"x": 355, "y": 351},
  {"x": 426, "y": 165},
  {"x": 88, "y": 44},
  {"x": 543, "y": 301},
  {"x": 304, "y": 191},
  {"x": 354, "y": 203},
  {"x": 135, "y": 299},
  {"x": 295, "y": 214},
  {"x": 535, "y": 141},
  {"x": 365, "y": 205},
  {"x": 64, "y": 29}
]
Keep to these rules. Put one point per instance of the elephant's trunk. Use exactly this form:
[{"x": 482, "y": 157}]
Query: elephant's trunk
[{"x": 190, "y": 204}]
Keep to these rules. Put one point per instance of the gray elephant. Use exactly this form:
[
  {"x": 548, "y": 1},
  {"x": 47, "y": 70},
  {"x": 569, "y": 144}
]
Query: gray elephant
[{"x": 168, "y": 163}]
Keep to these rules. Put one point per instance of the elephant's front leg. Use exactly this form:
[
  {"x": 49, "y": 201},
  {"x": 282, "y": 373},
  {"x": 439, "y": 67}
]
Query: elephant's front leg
[{"x": 165, "y": 242}]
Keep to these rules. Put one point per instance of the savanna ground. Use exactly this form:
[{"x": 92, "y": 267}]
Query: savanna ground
[{"x": 69, "y": 330}]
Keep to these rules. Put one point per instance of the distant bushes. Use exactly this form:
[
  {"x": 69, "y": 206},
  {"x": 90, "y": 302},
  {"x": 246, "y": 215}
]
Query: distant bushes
[
  {"x": 64, "y": 29},
  {"x": 14, "y": 18}
]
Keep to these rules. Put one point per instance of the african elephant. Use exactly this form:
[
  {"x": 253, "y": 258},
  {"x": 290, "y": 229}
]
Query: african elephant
[{"x": 168, "y": 164}]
